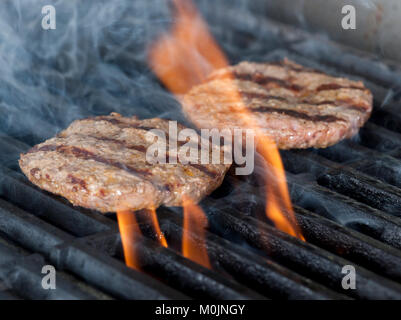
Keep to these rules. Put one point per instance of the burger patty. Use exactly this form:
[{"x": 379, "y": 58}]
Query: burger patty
[
  {"x": 100, "y": 163},
  {"x": 296, "y": 106}
]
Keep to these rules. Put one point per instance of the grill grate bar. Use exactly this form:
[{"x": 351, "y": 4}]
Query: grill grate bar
[
  {"x": 25, "y": 228},
  {"x": 266, "y": 276},
  {"x": 100, "y": 270},
  {"x": 378, "y": 138},
  {"x": 308, "y": 260},
  {"x": 25, "y": 277},
  {"x": 352, "y": 245},
  {"x": 14, "y": 188},
  {"x": 346, "y": 180},
  {"x": 109, "y": 274},
  {"x": 176, "y": 271},
  {"x": 387, "y": 170},
  {"x": 345, "y": 211}
]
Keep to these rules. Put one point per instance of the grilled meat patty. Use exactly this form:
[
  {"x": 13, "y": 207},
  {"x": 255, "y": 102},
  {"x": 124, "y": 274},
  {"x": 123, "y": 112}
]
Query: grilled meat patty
[
  {"x": 296, "y": 106},
  {"x": 100, "y": 163}
]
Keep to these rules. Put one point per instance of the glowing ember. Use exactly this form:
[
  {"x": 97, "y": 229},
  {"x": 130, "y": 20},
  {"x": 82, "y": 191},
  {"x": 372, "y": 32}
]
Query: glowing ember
[
  {"x": 193, "y": 238},
  {"x": 184, "y": 57}
]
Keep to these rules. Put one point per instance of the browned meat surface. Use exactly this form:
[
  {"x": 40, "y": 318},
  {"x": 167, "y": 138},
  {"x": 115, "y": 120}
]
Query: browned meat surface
[
  {"x": 296, "y": 106},
  {"x": 99, "y": 163}
]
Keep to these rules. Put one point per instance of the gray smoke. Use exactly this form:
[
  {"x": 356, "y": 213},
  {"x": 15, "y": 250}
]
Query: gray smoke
[{"x": 94, "y": 62}]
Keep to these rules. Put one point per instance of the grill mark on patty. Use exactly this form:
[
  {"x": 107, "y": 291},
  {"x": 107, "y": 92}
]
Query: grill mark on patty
[
  {"x": 143, "y": 149},
  {"x": 115, "y": 121},
  {"x": 298, "y": 114},
  {"x": 259, "y": 78},
  {"x": 342, "y": 103},
  {"x": 44, "y": 148},
  {"x": 260, "y": 95},
  {"x": 204, "y": 169},
  {"x": 336, "y": 86},
  {"x": 122, "y": 125},
  {"x": 122, "y": 143},
  {"x": 88, "y": 155},
  {"x": 262, "y": 79},
  {"x": 349, "y": 104},
  {"x": 84, "y": 154},
  {"x": 199, "y": 167},
  {"x": 292, "y": 67}
]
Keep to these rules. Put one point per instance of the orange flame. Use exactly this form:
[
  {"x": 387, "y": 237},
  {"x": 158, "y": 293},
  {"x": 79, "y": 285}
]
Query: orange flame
[
  {"x": 278, "y": 202},
  {"x": 185, "y": 57},
  {"x": 151, "y": 216},
  {"x": 195, "y": 223},
  {"x": 131, "y": 233}
]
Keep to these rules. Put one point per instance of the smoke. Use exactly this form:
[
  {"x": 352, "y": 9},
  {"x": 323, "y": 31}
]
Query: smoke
[
  {"x": 368, "y": 4},
  {"x": 93, "y": 63}
]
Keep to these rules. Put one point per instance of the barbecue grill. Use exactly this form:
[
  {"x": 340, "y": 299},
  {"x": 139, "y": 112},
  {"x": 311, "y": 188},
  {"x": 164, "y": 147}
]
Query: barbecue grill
[{"x": 347, "y": 198}]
